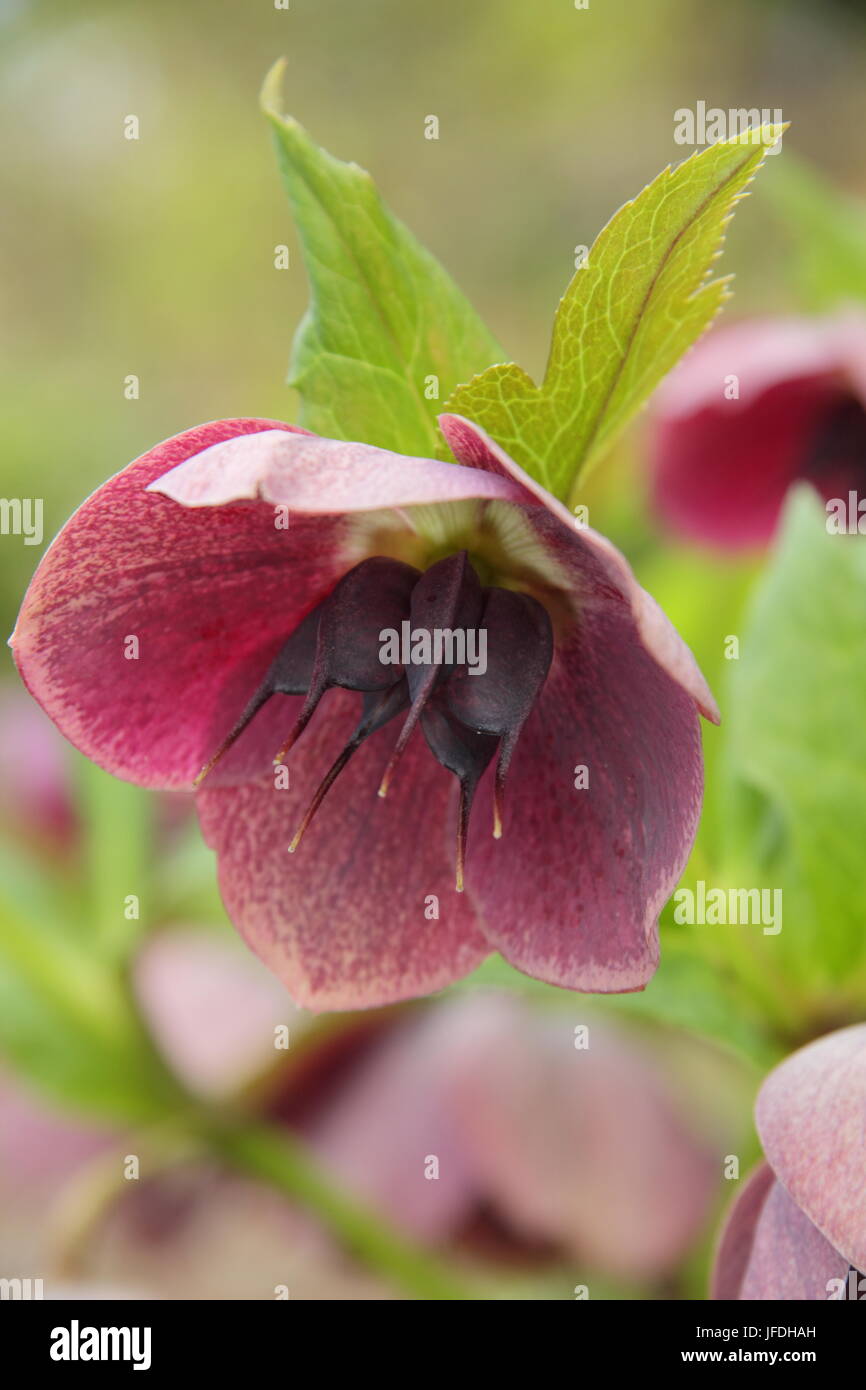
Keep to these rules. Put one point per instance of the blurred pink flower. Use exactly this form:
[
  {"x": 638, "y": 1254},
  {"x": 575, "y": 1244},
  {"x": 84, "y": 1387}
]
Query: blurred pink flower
[
  {"x": 799, "y": 1225},
  {"x": 754, "y": 408},
  {"x": 35, "y": 794},
  {"x": 581, "y": 1153},
  {"x": 472, "y": 1123},
  {"x": 212, "y": 1009},
  {"x": 245, "y": 559},
  {"x": 37, "y": 786}
]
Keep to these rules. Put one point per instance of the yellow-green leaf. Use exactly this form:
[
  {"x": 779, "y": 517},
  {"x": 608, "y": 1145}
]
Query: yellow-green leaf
[{"x": 642, "y": 297}]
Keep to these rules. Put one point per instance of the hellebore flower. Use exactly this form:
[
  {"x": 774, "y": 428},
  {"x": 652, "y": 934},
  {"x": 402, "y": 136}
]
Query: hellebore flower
[
  {"x": 548, "y": 1156},
  {"x": 189, "y": 618},
  {"x": 753, "y": 409},
  {"x": 798, "y": 1228},
  {"x": 565, "y": 1153}
]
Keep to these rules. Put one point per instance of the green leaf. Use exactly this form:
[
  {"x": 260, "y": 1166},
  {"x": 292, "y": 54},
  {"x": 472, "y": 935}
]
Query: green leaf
[
  {"x": 642, "y": 297},
  {"x": 795, "y": 755},
  {"x": 66, "y": 1020},
  {"x": 384, "y": 316},
  {"x": 827, "y": 233}
]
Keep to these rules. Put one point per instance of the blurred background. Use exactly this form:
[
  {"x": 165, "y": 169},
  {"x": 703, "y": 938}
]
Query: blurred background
[{"x": 155, "y": 257}]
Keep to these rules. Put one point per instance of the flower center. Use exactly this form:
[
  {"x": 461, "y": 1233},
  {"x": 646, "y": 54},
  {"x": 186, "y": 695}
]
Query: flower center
[
  {"x": 465, "y": 661},
  {"x": 836, "y": 461}
]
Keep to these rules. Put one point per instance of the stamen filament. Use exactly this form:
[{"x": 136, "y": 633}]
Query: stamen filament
[
  {"x": 323, "y": 789},
  {"x": 378, "y": 712},
  {"x": 503, "y": 762},
  {"x": 497, "y": 814},
  {"x": 246, "y": 718},
  {"x": 314, "y": 695},
  {"x": 466, "y": 794},
  {"x": 405, "y": 732}
]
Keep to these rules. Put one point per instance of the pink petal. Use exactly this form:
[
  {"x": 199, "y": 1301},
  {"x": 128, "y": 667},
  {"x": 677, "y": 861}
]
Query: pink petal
[
  {"x": 211, "y": 1006},
  {"x": 205, "y": 593},
  {"x": 601, "y": 575},
  {"x": 811, "y": 1116},
  {"x": 319, "y": 476},
  {"x": 738, "y": 1233},
  {"x": 583, "y": 1150},
  {"x": 35, "y": 775},
  {"x": 789, "y": 1258},
  {"x": 572, "y": 892},
  {"x": 342, "y": 921},
  {"x": 43, "y": 1149},
  {"x": 721, "y": 467},
  {"x": 583, "y": 1147},
  {"x": 211, "y": 589},
  {"x": 394, "y": 1114}
]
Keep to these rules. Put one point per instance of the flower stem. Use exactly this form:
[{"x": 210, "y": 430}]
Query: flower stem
[
  {"x": 275, "y": 1156},
  {"x": 278, "y": 1158}
]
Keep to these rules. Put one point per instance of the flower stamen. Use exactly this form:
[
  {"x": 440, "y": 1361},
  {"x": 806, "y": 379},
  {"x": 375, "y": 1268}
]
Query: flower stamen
[
  {"x": 377, "y": 711},
  {"x": 469, "y": 711}
]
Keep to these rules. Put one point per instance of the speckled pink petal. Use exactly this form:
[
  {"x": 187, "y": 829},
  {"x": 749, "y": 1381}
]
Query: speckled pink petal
[
  {"x": 572, "y": 891},
  {"x": 209, "y": 589},
  {"x": 738, "y": 1232},
  {"x": 320, "y": 476},
  {"x": 811, "y": 1117},
  {"x": 601, "y": 575},
  {"x": 789, "y": 1258},
  {"x": 721, "y": 465},
  {"x": 347, "y": 921},
  {"x": 203, "y": 593},
  {"x": 583, "y": 1147}
]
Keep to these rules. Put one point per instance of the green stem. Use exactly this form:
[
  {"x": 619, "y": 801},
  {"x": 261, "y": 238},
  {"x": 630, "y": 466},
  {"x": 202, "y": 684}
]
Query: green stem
[{"x": 276, "y": 1157}]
